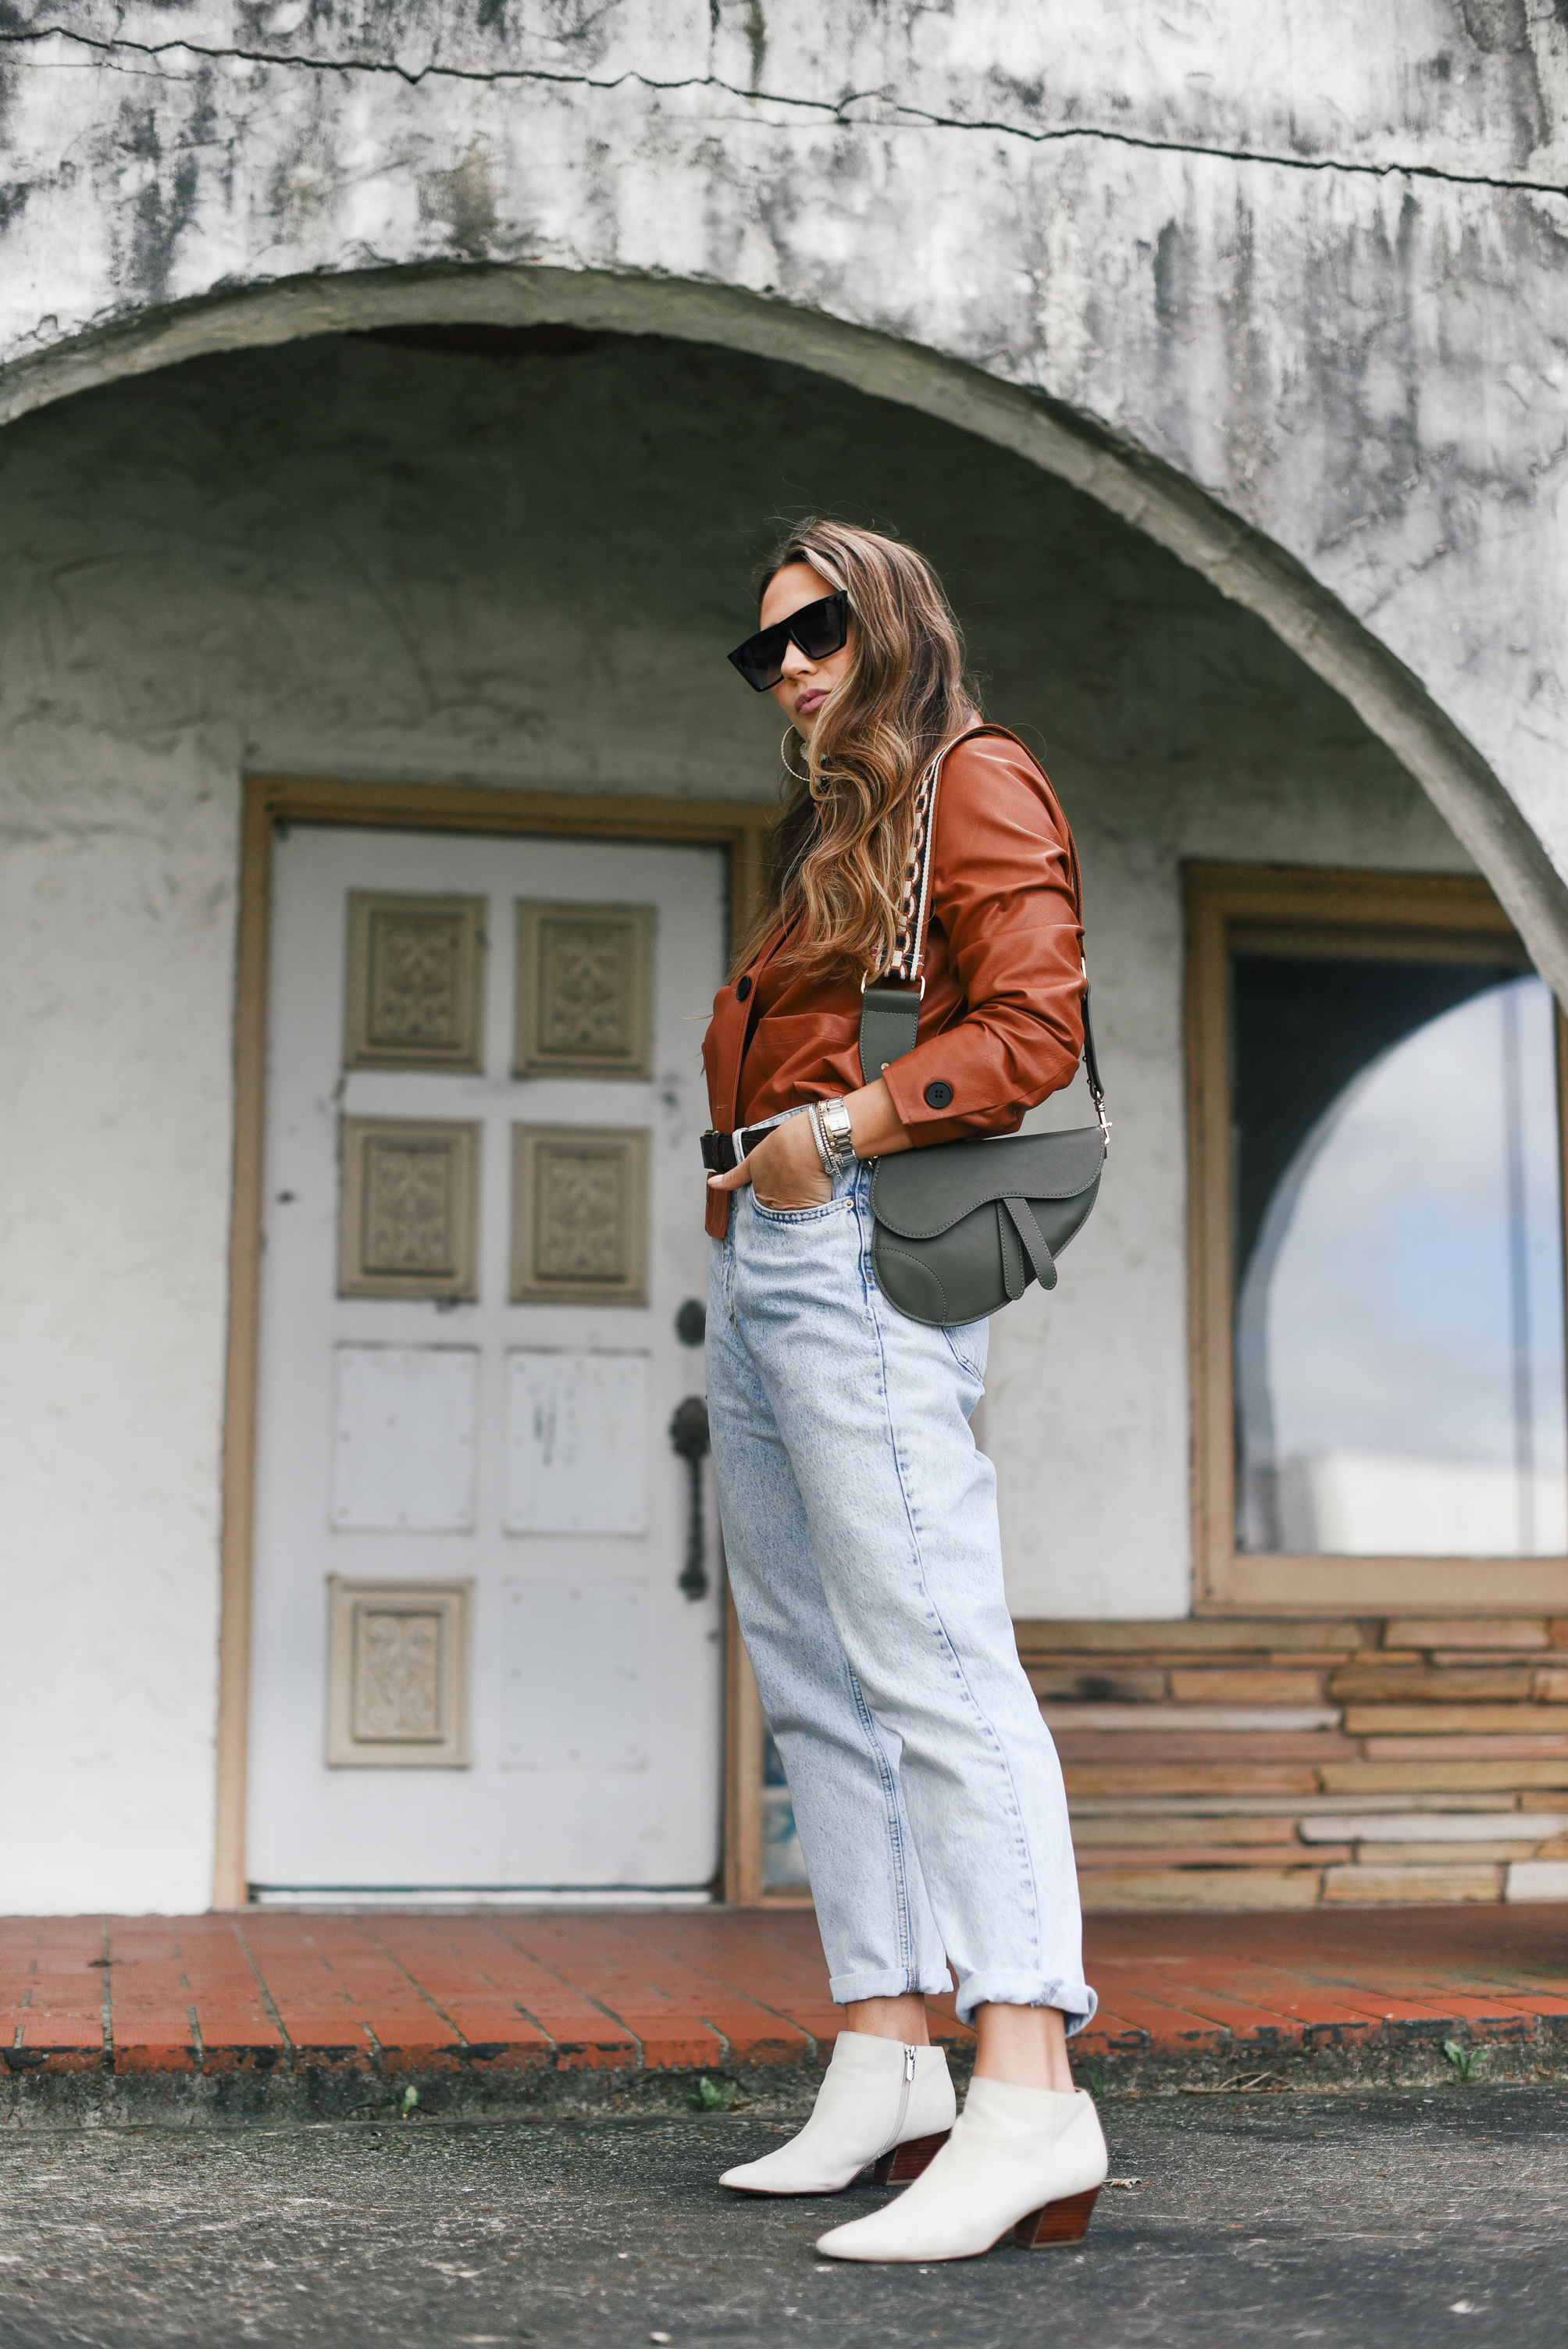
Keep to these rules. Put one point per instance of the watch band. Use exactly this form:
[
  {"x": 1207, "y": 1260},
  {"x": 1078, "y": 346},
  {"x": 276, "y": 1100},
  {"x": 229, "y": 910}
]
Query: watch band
[
  {"x": 829, "y": 1163},
  {"x": 833, "y": 1120}
]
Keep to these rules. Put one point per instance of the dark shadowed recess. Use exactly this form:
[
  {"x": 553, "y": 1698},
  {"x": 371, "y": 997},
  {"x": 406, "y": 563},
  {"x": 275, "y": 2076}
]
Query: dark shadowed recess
[
  {"x": 473, "y": 340},
  {"x": 1304, "y": 1027},
  {"x": 602, "y": 475},
  {"x": 1095, "y": 643}
]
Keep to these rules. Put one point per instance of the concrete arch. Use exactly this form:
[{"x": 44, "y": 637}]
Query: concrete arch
[{"x": 1240, "y": 562}]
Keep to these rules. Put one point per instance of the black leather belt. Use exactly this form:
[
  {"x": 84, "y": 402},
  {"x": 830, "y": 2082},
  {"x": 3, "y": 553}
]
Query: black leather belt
[{"x": 718, "y": 1151}]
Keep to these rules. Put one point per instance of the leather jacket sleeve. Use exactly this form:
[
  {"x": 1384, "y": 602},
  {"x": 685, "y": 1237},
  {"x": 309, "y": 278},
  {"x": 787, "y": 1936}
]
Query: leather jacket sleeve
[
  {"x": 1004, "y": 955},
  {"x": 1001, "y": 1020}
]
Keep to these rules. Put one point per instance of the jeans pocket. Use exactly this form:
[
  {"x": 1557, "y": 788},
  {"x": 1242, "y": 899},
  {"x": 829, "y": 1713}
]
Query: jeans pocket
[
  {"x": 797, "y": 1214},
  {"x": 971, "y": 1343}
]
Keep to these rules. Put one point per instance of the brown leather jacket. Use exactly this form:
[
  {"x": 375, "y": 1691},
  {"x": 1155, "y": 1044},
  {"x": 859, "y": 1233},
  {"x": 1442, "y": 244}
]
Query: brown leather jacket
[{"x": 1001, "y": 1023}]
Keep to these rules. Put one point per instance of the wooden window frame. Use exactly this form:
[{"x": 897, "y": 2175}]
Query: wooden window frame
[
  {"x": 1420, "y": 908},
  {"x": 740, "y": 828}
]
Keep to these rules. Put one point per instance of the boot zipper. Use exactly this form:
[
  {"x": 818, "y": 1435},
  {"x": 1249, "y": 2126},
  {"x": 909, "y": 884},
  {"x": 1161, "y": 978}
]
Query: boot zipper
[{"x": 904, "y": 2086}]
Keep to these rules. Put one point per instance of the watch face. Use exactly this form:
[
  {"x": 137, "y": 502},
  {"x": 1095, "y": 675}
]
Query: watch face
[{"x": 835, "y": 1120}]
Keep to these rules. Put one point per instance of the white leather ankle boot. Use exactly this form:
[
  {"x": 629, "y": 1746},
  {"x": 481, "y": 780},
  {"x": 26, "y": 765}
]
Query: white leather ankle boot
[
  {"x": 1024, "y": 2159},
  {"x": 880, "y": 2100}
]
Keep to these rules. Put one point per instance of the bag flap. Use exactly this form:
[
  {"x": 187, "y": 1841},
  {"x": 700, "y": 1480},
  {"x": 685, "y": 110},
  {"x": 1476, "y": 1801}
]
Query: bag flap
[{"x": 922, "y": 1193}]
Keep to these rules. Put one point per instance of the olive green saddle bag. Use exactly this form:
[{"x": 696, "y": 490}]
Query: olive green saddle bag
[{"x": 963, "y": 1227}]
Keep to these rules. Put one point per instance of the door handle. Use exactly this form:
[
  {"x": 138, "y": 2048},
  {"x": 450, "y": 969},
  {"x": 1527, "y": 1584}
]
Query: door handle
[{"x": 689, "y": 1441}]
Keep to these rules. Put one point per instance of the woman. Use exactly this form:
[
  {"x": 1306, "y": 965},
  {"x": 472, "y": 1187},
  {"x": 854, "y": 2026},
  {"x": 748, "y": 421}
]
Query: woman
[{"x": 860, "y": 1520}]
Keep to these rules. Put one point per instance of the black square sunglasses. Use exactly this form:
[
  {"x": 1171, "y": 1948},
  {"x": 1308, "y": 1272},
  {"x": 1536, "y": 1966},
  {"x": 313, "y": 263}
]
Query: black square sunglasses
[{"x": 818, "y": 629}]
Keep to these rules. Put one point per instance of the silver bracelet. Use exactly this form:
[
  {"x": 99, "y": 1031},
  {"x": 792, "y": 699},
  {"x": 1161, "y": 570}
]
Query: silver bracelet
[
  {"x": 834, "y": 1124},
  {"x": 829, "y": 1164}
]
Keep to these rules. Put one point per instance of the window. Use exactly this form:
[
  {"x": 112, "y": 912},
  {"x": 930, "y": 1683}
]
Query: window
[{"x": 1378, "y": 1154}]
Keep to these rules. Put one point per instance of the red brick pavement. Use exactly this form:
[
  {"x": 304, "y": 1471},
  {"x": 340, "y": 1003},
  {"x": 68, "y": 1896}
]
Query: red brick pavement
[{"x": 400, "y": 1992}]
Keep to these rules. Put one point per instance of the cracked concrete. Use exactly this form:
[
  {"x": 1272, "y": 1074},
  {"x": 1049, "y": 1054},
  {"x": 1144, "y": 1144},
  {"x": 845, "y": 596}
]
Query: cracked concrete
[{"x": 878, "y": 106}]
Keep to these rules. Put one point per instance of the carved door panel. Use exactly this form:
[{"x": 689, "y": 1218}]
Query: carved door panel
[{"x": 474, "y": 1662}]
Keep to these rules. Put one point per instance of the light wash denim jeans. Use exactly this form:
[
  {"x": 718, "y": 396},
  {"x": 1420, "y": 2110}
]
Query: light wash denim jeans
[{"x": 859, "y": 1524}]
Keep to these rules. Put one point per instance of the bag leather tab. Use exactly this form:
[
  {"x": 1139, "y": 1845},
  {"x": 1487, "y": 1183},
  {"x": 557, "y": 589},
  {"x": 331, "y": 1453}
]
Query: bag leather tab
[
  {"x": 1021, "y": 1216},
  {"x": 890, "y": 1022}
]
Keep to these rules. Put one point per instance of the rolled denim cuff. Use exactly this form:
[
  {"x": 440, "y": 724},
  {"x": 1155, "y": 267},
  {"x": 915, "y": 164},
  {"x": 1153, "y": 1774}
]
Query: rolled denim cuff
[
  {"x": 845, "y": 1989},
  {"x": 1076, "y": 1999}
]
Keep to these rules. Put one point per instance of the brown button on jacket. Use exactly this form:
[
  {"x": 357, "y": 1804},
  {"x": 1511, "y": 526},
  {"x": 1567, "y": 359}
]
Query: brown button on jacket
[{"x": 1001, "y": 1023}]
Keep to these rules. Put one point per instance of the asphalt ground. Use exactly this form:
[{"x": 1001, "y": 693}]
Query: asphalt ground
[{"x": 1388, "y": 2219}]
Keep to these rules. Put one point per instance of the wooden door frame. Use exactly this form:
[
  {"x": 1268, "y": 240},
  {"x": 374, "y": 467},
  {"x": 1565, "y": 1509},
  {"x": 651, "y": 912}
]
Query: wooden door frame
[
  {"x": 1222, "y": 899},
  {"x": 738, "y": 827}
]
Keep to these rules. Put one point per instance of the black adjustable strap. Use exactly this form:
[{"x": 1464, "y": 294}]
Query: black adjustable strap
[
  {"x": 1091, "y": 1064},
  {"x": 890, "y": 1022}
]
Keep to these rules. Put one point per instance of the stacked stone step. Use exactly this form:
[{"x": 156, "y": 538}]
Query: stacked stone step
[{"x": 1268, "y": 1764}]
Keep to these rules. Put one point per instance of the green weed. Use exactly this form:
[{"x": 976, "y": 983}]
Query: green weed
[
  {"x": 725, "y": 2098},
  {"x": 1469, "y": 2062}
]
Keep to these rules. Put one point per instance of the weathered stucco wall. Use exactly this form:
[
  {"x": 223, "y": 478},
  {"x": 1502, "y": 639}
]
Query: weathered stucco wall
[
  {"x": 353, "y": 558},
  {"x": 117, "y": 899},
  {"x": 1308, "y": 257},
  {"x": 1281, "y": 288}
]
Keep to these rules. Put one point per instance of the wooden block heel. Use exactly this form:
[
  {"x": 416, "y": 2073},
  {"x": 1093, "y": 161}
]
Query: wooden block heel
[
  {"x": 907, "y": 2161},
  {"x": 1058, "y": 2222}
]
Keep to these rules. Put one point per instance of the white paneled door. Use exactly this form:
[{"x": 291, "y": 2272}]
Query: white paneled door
[{"x": 475, "y": 1662}]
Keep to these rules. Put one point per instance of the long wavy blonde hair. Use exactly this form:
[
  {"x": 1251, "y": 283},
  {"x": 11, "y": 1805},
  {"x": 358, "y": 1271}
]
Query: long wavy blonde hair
[{"x": 844, "y": 835}]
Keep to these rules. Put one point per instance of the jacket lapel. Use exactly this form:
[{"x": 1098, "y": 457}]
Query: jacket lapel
[{"x": 727, "y": 1039}]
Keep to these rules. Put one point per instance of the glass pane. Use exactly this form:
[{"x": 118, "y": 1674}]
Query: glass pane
[
  {"x": 783, "y": 1861},
  {"x": 1398, "y": 1233}
]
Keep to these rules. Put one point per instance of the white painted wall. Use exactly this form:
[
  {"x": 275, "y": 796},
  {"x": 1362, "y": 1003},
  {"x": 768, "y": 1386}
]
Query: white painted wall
[
  {"x": 1086, "y": 1408},
  {"x": 350, "y": 559},
  {"x": 117, "y": 911}
]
